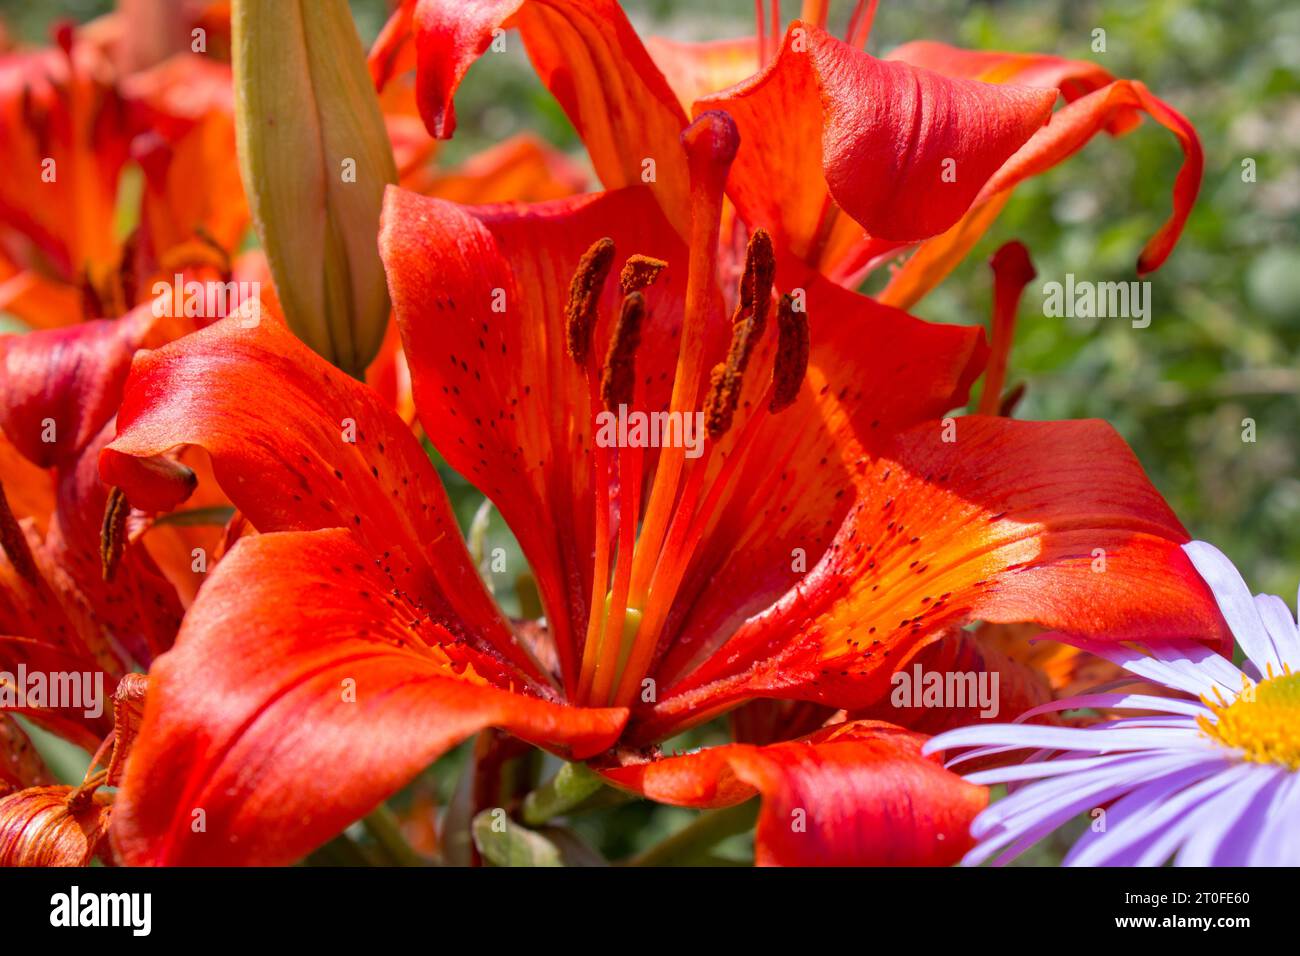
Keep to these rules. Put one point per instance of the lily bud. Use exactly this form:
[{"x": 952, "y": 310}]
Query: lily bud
[{"x": 315, "y": 158}]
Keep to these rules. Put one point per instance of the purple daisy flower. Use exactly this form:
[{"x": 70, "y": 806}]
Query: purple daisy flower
[{"x": 1209, "y": 779}]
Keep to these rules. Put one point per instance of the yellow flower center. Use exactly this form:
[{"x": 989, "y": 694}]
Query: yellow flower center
[{"x": 1263, "y": 722}]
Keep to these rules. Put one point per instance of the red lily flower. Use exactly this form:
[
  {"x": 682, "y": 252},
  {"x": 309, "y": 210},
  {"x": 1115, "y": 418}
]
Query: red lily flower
[
  {"x": 76, "y": 591},
  {"x": 331, "y": 657},
  {"x": 70, "y": 123},
  {"x": 80, "y": 593}
]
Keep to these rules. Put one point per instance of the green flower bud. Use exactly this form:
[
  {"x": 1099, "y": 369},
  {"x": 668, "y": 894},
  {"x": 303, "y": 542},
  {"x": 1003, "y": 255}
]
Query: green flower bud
[{"x": 315, "y": 158}]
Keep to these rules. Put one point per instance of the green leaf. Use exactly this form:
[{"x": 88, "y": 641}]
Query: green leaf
[
  {"x": 219, "y": 515},
  {"x": 572, "y": 785},
  {"x": 503, "y": 842}
]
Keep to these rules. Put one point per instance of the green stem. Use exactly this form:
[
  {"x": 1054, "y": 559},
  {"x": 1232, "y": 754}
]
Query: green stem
[
  {"x": 383, "y": 828},
  {"x": 701, "y": 835}
]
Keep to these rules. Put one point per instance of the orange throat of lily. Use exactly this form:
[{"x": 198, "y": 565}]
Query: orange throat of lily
[{"x": 640, "y": 564}]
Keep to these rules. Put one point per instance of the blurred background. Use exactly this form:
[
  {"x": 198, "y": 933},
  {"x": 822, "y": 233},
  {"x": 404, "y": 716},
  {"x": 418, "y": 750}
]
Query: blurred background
[{"x": 1223, "y": 345}]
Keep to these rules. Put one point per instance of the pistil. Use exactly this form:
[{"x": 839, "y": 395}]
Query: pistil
[{"x": 711, "y": 143}]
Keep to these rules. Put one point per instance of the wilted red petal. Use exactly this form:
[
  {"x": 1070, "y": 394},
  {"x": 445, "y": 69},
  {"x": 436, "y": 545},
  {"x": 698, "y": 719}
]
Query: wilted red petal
[
  {"x": 855, "y": 794},
  {"x": 49, "y": 826},
  {"x": 1050, "y": 522},
  {"x": 297, "y": 698},
  {"x": 21, "y": 765},
  {"x": 128, "y": 713},
  {"x": 903, "y": 151}
]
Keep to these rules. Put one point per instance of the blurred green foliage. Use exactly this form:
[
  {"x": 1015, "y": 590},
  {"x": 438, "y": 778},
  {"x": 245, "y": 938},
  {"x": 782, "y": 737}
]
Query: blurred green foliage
[{"x": 1225, "y": 332}]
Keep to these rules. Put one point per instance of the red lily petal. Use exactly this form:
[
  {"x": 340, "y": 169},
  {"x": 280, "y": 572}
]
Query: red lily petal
[
  {"x": 28, "y": 487},
  {"x": 57, "y": 400},
  {"x": 506, "y": 406},
  {"x": 187, "y": 154},
  {"x": 855, "y": 794},
  {"x": 70, "y": 723},
  {"x": 1115, "y": 108},
  {"x": 171, "y": 544},
  {"x": 522, "y": 168},
  {"x": 872, "y": 372},
  {"x": 296, "y": 699},
  {"x": 1012, "y": 271},
  {"x": 1074, "y": 125},
  {"x": 1007, "y": 522},
  {"x": 342, "y": 457},
  {"x": 935, "y": 258},
  {"x": 53, "y": 826},
  {"x": 40, "y": 301},
  {"x": 137, "y": 609},
  {"x": 696, "y": 70},
  {"x": 587, "y": 55},
  {"x": 59, "y": 387},
  {"x": 1074, "y": 78},
  {"x": 904, "y": 151},
  {"x": 1019, "y": 686}
]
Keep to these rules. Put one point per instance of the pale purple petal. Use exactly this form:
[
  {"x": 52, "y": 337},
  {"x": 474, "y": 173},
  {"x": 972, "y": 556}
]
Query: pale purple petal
[
  {"x": 1179, "y": 666},
  {"x": 1235, "y": 602},
  {"x": 1022, "y": 808},
  {"x": 1189, "y": 814},
  {"x": 1132, "y": 820},
  {"x": 1045, "y": 805},
  {"x": 1281, "y": 629},
  {"x": 1039, "y": 769},
  {"x": 1238, "y": 844},
  {"x": 1167, "y": 705},
  {"x": 1279, "y": 844},
  {"x": 1222, "y": 814},
  {"x": 1096, "y": 739}
]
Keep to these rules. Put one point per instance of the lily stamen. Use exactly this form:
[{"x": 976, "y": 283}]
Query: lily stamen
[
  {"x": 113, "y": 532},
  {"x": 584, "y": 296},
  {"x": 640, "y": 272},
  {"x": 711, "y": 143},
  {"x": 792, "y": 348}
]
